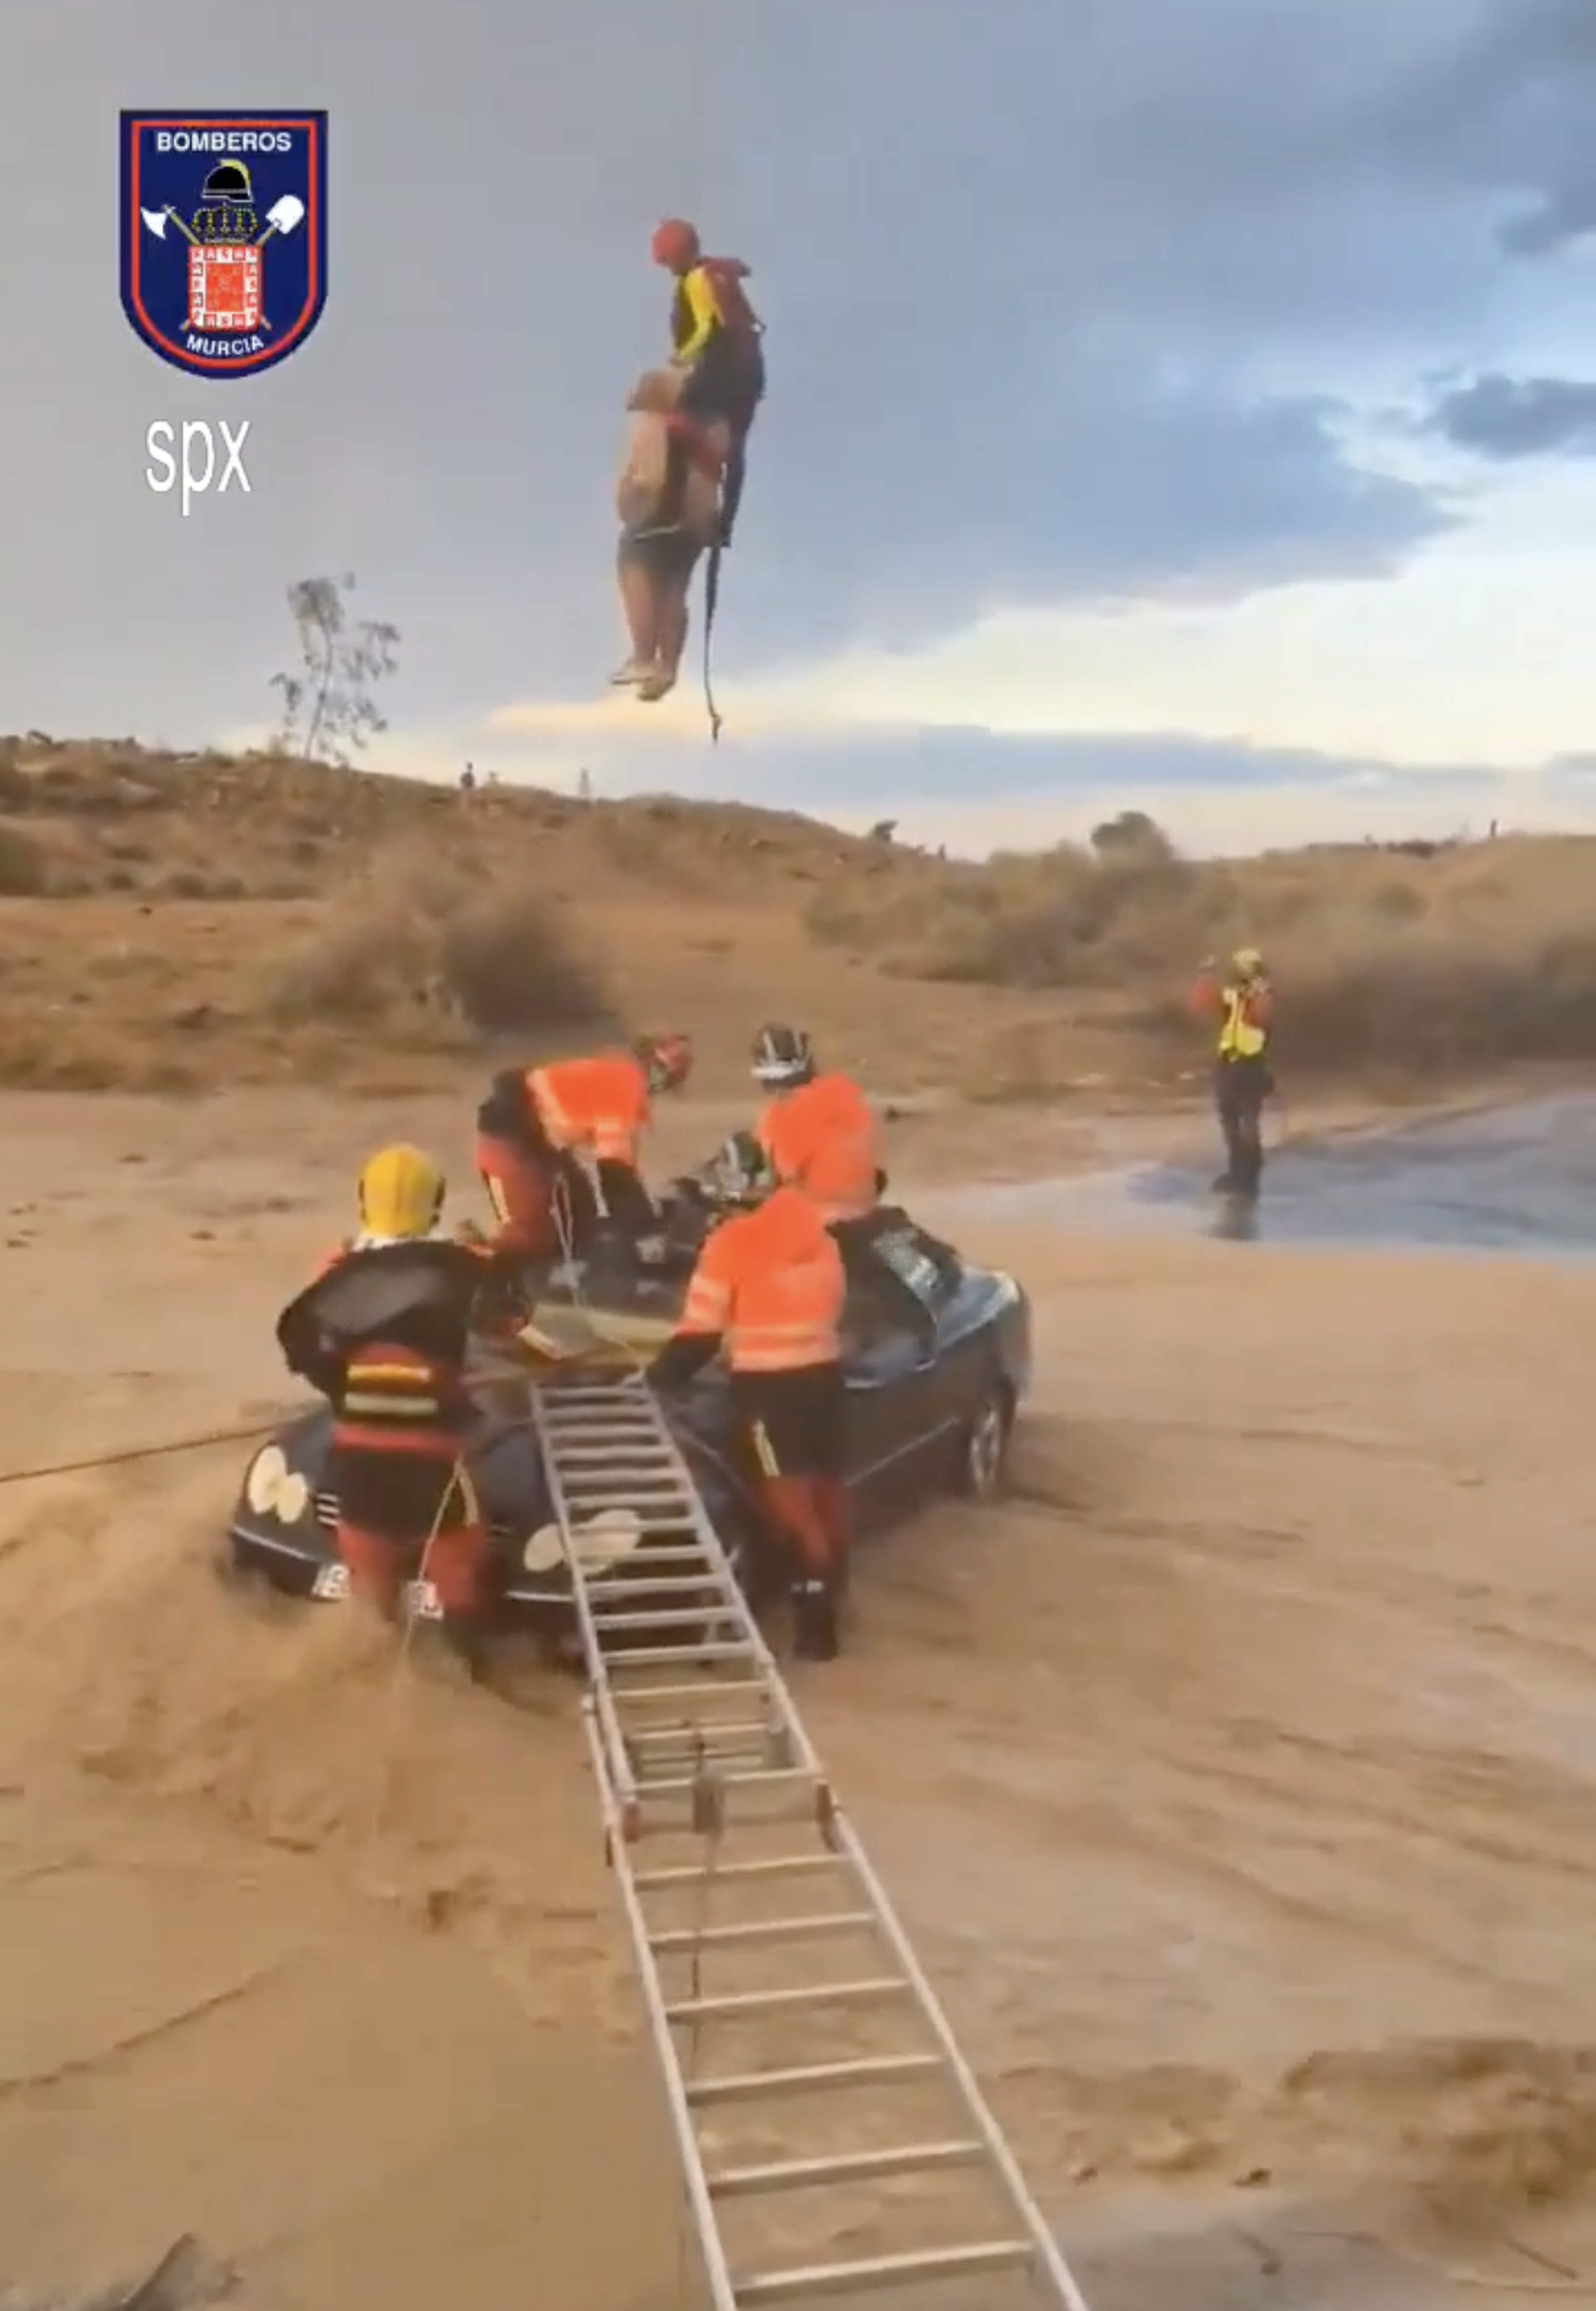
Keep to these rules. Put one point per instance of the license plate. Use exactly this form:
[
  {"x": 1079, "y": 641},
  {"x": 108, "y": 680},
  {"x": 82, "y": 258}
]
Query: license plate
[
  {"x": 331, "y": 1584},
  {"x": 422, "y": 1602}
]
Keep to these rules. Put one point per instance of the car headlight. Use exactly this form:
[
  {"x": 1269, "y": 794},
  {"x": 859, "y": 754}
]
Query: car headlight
[
  {"x": 274, "y": 1489},
  {"x": 602, "y": 1541}
]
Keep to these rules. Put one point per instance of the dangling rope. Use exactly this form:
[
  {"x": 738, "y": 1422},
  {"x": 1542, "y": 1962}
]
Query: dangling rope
[{"x": 711, "y": 589}]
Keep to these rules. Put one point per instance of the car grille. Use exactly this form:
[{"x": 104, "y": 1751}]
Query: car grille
[{"x": 326, "y": 1515}]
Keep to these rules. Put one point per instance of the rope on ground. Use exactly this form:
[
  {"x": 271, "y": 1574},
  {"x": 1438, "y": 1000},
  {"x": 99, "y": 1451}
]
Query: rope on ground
[
  {"x": 1568, "y": 2282},
  {"x": 146, "y": 1452},
  {"x": 389, "y": 1743}
]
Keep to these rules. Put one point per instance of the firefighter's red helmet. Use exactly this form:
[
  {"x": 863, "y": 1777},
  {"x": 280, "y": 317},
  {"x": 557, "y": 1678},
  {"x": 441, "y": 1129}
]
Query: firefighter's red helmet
[
  {"x": 666, "y": 1059},
  {"x": 676, "y": 245}
]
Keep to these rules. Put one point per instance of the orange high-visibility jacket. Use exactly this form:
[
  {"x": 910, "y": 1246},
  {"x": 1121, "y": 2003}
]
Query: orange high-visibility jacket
[
  {"x": 770, "y": 1284},
  {"x": 600, "y": 1105},
  {"x": 821, "y": 1136}
]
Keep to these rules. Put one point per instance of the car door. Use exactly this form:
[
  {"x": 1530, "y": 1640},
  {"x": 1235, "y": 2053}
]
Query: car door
[{"x": 895, "y": 1386}]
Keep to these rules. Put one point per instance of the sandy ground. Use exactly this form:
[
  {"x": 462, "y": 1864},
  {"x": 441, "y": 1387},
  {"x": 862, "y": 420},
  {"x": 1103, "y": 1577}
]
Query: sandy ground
[{"x": 1236, "y": 1780}]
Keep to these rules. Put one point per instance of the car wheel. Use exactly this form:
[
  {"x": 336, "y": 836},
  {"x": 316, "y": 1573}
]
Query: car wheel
[{"x": 983, "y": 1447}]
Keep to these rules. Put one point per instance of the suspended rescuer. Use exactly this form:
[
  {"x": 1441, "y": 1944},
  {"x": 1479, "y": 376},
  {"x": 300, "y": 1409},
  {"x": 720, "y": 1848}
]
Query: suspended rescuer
[
  {"x": 537, "y": 1124},
  {"x": 769, "y": 1290},
  {"x": 668, "y": 502},
  {"x": 383, "y": 1333},
  {"x": 717, "y": 339},
  {"x": 820, "y": 1134},
  {"x": 1241, "y": 1006}
]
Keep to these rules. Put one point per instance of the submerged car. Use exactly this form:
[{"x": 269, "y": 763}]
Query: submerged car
[{"x": 931, "y": 1409}]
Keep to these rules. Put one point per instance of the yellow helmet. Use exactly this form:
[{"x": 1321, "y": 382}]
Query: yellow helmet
[
  {"x": 1247, "y": 963},
  {"x": 401, "y": 1193}
]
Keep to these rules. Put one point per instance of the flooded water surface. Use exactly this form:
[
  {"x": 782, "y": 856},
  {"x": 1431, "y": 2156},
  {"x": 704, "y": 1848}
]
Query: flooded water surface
[{"x": 1510, "y": 1180}]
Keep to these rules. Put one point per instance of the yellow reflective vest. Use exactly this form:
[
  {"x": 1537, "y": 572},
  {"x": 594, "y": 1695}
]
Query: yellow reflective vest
[{"x": 1239, "y": 1037}]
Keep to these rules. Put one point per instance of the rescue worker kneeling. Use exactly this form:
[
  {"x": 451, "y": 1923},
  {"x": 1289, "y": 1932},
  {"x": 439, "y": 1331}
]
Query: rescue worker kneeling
[
  {"x": 770, "y": 1288},
  {"x": 820, "y": 1134},
  {"x": 383, "y": 1334},
  {"x": 537, "y": 1124}
]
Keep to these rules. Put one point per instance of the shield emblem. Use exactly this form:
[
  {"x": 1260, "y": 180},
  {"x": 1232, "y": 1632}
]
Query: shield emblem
[
  {"x": 223, "y": 236},
  {"x": 225, "y": 290}
]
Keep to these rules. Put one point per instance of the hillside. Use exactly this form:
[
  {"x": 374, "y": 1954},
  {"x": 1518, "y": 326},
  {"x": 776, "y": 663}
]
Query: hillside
[{"x": 175, "y": 922}]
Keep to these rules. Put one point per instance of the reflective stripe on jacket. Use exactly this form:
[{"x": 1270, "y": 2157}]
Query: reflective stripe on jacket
[
  {"x": 599, "y": 1107},
  {"x": 770, "y": 1284},
  {"x": 821, "y": 1136},
  {"x": 395, "y": 1400}
]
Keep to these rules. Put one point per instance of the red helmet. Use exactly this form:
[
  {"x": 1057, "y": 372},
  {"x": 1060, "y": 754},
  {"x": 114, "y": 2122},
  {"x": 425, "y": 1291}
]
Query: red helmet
[
  {"x": 666, "y": 1059},
  {"x": 676, "y": 245}
]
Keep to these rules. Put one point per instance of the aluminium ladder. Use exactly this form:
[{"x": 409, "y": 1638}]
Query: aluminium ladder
[{"x": 699, "y": 1756}]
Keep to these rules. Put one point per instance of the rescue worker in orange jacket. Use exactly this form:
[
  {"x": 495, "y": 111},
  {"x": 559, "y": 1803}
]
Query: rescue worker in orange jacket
[
  {"x": 383, "y": 1333},
  {"x": 717, "y": 335},
  {"x": 1241, "y": 1004},
  {"x": 820, "y": 1133},
  {"x": 769, "y": 1289},
  {"x": 537, "y": 1125}
]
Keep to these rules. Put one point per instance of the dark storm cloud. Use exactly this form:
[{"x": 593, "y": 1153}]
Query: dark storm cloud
[
  {"x": 1511, "y": 417},
  {"x": 1034, "y": 276},
  {"x": 1510, "y": 112}
]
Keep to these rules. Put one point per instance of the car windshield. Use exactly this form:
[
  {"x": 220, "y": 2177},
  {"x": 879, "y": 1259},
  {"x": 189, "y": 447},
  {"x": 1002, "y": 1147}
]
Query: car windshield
[{"x": 930, "y": 1269}]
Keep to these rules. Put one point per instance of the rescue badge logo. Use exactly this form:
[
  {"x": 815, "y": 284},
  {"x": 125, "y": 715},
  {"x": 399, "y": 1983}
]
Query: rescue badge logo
[{"x": 223, "y": 236}]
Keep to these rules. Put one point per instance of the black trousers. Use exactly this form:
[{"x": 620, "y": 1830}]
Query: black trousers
[
  {"x": 728, "y": 383},
  {"x": 1241, "y": 1087}
]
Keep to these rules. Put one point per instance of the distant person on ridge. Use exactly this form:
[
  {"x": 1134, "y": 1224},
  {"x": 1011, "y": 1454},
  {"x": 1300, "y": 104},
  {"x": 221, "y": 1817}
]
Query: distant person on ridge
[
  {"x": 1242, "y": 1006},
  {"x": 716, "y": 338}
]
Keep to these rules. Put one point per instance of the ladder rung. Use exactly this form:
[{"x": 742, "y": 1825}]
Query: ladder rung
[
  {"x": 667, "y": 1616},
  {"x": 865, "y": 2071},
  {"x": 779, "y": 1865},
  {"x": 713, "y": 1761},
  {"x": 680, "y": 1784},
  {"x": 624, "y": 1486},
  {"x": 614, "y": 1470},
  {"x": 580, "y": 1423},
  {"x": 713, "y": 1688},
  {"x": 646, "y": 1448},
  {"x": 740, "y": 1650},
  {"x": 644, "y": 1582},
  {"x": 766, "y": 1930},
  {"x": 675, "y": 1553},
  {"x": 619, "y": 1497},
  {"x": 843, "y": 2166},
  {"x": 678, "y": 1736},
  {"x": 883, "y": 2270},
  {"x": 869, "y": 1990}
]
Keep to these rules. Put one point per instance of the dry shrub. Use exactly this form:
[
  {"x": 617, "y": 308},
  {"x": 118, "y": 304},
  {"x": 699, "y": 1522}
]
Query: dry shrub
[
  {"x": 1439, "y": 1007},
  {"x": 1064, "y": 919},
  {"x": 497, "y": 955},
  {"x": 25, "y": 871}
]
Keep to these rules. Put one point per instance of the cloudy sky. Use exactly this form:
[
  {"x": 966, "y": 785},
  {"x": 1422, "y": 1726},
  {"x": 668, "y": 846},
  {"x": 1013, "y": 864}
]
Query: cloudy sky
[{"x": 1191, "y": 407}]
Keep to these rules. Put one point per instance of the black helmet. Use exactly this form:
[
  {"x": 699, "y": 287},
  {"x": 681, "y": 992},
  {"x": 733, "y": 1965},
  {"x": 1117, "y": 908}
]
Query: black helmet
[
  {"x": 229, "y": 181},
  {"x": 782, "y": 1055},
  {"x": 741, "y": 1173}
]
